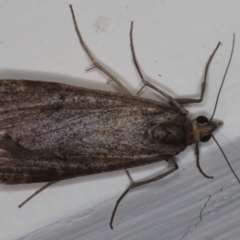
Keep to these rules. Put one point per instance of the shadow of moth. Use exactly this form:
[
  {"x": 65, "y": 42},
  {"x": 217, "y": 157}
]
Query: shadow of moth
[{"x": 51, "y": 131}]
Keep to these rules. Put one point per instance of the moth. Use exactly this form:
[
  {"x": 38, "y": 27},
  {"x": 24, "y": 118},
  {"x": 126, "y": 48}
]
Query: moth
[{"x": 51, "y": 131}]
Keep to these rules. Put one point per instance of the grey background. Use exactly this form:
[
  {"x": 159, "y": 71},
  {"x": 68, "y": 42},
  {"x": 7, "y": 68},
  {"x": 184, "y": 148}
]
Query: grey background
[{"x": 173, "y": 39}]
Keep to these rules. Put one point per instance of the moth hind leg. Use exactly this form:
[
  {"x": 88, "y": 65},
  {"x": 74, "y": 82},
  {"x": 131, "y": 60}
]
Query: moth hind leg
[
  {"x": 141, "y": 183},
  {"x": 9, "y": 146},
  {"x": 94, "y": 62},
  {"x": 37, "y": 192}
]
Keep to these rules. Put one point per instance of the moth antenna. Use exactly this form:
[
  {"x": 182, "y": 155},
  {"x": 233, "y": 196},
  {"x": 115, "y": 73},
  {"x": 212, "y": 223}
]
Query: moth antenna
[
  {"x": 225, "y": 74},
  {"x": 215, "y": 107},
  {"x": 226, "y": 159}
]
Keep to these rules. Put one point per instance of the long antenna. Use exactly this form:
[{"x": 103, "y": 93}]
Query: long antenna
[
  {"x": 225, "y": 74},
  {"x": 226, "y": 158}
]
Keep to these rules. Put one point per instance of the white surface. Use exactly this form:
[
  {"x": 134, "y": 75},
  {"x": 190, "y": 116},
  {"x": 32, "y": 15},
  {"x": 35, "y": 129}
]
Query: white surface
[{"x": 172, "y": 38}]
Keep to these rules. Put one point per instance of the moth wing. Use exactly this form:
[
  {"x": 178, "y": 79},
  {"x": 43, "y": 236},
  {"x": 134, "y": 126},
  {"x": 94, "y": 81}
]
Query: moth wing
[{"x": 52, "y": 131}]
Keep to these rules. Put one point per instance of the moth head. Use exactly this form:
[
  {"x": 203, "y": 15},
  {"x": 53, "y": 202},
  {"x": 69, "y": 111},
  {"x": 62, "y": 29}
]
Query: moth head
[{"x": 203, "y": 128}]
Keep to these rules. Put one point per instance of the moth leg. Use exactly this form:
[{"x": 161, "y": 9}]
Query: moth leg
[
  {"x": 146, "y": 83},
  {"x": 37, "y": 192},
  {"x": 198, "y": 163},
  {"x": 203, "y": 85},
  {"x": 138, "y": 184},
  {"x": 94, "y": 62}
]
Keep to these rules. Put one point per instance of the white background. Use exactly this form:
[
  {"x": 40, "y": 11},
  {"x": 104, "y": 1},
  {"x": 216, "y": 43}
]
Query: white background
[{"x": 173, "y": 39}]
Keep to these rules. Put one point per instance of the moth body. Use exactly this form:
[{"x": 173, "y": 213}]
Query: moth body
[{"x": 51, "y": 131}]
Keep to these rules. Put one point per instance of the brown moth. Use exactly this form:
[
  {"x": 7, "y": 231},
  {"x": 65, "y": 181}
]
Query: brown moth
[{"x": 51, "y": 131}]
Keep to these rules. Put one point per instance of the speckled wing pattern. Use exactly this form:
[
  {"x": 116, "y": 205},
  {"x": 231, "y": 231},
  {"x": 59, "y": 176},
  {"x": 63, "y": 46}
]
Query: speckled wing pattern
[{"x": 51, "y": 131}]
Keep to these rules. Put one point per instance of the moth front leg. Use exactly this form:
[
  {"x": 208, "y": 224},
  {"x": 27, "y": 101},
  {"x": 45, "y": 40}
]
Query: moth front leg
[
  {"x": 203, "y": 85},
  {"x": 141, "y": 183},
  {"x": 174, "y": 101},
  {"x": 94, "y": 62}
]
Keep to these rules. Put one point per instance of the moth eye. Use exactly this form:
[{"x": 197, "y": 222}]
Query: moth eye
[
  {"x": 202, "y": 120},
  {"x": 205, "y": 138}
]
